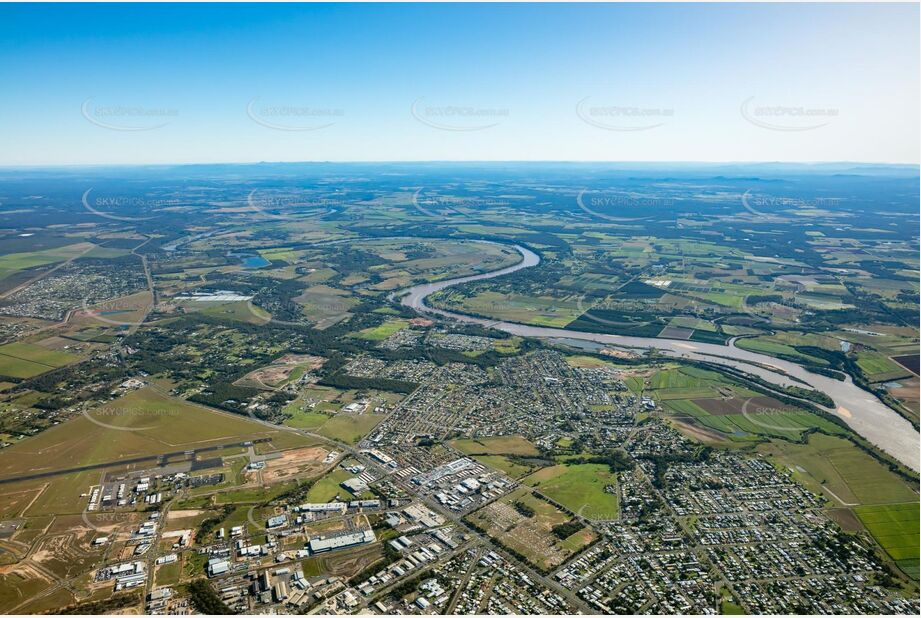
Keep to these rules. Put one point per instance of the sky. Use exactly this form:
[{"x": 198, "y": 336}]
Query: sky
[{"x": 207, "y": 83}]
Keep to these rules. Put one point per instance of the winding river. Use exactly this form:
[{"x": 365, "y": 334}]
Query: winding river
[{"x": 861, "y": 410}]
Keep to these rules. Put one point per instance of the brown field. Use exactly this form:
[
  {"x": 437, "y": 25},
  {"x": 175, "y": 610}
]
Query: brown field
[
  {"x": 675, "y": 332},
  {"x": 909, "y": 361},
  {"x": 279, "y": 372},
  {"x": 532, "y": 537},
  {"x": 295, "y": 462},
  {"x": 723, "y": 407},
  {"x": 687, "y": 426},
  {"x": 908, "y": 392},
  {"x": 20, "y": 582}
]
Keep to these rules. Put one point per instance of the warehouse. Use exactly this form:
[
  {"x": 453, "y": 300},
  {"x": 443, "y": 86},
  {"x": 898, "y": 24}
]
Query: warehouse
[{"x": 321, "y": 544}]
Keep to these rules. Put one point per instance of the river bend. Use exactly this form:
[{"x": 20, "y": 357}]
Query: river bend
[{"x": 861, "y": 410}]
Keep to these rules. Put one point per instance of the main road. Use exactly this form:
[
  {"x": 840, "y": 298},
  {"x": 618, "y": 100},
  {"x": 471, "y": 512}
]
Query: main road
[{"x": 861, "y": 410}]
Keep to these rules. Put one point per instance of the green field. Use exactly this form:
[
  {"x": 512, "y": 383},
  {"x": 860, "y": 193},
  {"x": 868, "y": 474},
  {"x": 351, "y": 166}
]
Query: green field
[
  {"x": 306, "y": 420},
  {"x": 580, "y": 488},
  {"x": 19, "y": 368},
  {"x": 879, "y": 367},
  {"x": 496, "y": 445},
  {"x": 38, "y": 354},
  {"x": 788, "y": 424},
  {"x": 848, "y": 475},
  {"x": 381, "y": 332},
  {"x": 14, "y": 262},
  {"x": 327, "y": 488},
  {"x": 766, "y": 345},
  {"x": 895, "y": 528},
  {"x": 143, "y": 422},
  {"x": 25, "y": 360},
  {"x": 539, "y": 310},
  {"x": 349, "y": 428},
  {"x": 686, "y": 383},
  {"x": 499, "y": 462}
]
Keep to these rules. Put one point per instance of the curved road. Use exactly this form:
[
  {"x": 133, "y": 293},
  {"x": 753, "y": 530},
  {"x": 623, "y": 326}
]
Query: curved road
[{"x": 862, "y": 411}]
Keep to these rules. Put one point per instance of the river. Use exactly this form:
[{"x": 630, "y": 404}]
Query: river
[{"x": 861, "y": 410}]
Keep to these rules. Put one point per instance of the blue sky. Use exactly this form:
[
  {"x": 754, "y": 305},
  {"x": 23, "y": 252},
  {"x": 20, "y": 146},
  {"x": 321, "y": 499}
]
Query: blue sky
[{"x": 94, "y": 84}]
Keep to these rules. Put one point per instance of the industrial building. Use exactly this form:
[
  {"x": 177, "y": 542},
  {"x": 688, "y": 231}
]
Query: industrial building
[{"x": 323, "y": 544}]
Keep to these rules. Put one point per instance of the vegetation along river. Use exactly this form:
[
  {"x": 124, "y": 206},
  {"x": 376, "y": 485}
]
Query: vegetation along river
[{"x": 861, "y": 410}]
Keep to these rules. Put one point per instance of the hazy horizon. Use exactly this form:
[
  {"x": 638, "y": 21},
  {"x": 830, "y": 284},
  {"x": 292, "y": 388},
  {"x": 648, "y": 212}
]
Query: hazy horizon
[{"x": 207, "y": 84}]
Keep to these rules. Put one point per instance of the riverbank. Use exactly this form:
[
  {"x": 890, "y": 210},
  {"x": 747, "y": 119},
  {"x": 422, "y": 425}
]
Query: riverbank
[{"x": 862, "y": 411}]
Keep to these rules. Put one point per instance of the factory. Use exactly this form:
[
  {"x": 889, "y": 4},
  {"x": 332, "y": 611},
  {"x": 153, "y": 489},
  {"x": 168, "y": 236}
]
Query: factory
[
  {"x": 324, "y": 544},
  {"x": 320, "y": 507}
]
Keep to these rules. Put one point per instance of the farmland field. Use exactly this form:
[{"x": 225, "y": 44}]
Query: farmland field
[
  {"x": 24, "y": 360},
  {"x": 14, "y": 262},
  {"x": 763, "y": 417},
  {"x": 895, "y": 528},
  {"x": 848, "y": 475},
  {"x": 879, "y": 367}
]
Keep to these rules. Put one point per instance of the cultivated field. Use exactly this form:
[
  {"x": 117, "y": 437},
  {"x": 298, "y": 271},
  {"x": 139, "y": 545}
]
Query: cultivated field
[
  {"x": 25, "y": 360},
  {"x": 848, "y": 475},
  {"x": 895, "y": 528}
]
